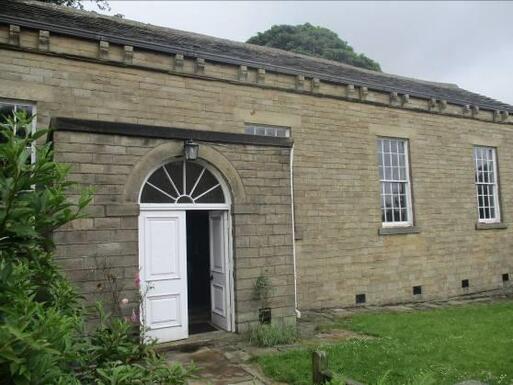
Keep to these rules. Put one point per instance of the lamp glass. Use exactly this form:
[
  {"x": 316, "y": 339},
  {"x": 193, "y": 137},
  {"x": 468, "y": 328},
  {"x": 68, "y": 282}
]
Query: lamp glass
[{"x": 191, "y": 150}]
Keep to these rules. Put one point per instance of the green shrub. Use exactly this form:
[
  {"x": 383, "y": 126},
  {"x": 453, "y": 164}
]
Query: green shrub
[
  {"x": 272, "y": 335},
  {"x": 42, "y": 325}
]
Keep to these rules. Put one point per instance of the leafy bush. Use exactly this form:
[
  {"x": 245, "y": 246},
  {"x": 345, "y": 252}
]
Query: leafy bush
[
  {"x": 272, "y": 335},
  {"x": 42, "y": 325}
]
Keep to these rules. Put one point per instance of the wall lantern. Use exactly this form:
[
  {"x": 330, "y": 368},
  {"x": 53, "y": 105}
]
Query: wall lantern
[{"x": 190, "y": 150}]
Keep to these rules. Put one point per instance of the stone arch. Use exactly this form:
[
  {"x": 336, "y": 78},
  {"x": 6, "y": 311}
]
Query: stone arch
[{"x": 168, "y": 152}]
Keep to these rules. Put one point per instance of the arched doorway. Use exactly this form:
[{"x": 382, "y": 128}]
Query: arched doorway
[{"x": 185, "y": 251}]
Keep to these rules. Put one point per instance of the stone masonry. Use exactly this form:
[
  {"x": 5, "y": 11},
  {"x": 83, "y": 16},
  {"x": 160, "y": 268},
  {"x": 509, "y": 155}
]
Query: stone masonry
[
  {"x": 262, "y": 218},
  {"x": 336, "y": 188}
]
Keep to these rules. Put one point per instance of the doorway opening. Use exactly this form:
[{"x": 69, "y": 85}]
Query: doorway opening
[
  {"x": 185, "y": 252},
  {"x": 198, "y": 272}
]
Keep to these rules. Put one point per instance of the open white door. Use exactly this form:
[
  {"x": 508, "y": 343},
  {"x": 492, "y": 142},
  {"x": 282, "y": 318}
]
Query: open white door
[
  {"x": 219, "y": 270},
  {"x": 163, "y": 264}
]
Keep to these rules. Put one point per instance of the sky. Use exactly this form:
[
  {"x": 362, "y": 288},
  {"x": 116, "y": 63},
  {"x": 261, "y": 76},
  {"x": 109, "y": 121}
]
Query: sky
[{"x": 467, "y": 43}]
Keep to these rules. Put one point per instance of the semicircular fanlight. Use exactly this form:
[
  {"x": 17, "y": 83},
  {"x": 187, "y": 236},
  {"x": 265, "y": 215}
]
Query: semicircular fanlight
[{"x": 182, "y": 182}]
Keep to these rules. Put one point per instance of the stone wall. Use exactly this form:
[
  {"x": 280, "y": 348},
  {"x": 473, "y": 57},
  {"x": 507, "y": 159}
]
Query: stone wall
[
  {"x": 339, "y": 251},
  {"x": 261, "y": 216}
]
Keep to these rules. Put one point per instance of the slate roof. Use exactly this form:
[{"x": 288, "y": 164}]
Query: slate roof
[{"x": 91, "y": 25}]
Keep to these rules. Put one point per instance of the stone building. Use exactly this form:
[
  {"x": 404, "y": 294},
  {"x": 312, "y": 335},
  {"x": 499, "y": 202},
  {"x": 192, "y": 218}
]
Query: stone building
[{"x": 218, "y": 164}]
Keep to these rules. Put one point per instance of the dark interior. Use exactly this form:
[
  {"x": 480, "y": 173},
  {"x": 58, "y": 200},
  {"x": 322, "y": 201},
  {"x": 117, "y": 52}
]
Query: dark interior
[{"x": 198, "y": 271}]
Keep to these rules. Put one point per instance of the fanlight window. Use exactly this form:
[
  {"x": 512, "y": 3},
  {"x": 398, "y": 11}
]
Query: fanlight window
[{"x": 182, "y": 182}]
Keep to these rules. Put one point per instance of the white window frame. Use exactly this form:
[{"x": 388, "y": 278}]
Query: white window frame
[
  {"x": 272, "y": 131},
  {"x": 495, "y": 185},
  {"x": 408, "y": 188},
  {"x": 21, "y": 103}
]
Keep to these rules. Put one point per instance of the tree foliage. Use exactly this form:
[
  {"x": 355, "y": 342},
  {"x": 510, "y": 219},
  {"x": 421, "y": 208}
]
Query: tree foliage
[
  {"x": 313, "y": 41},
  {"x": 101, "y": 4},
  {"x": 42, "y": 325}
]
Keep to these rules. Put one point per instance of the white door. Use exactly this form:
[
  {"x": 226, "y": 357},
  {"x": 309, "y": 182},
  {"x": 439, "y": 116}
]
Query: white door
[
  {"x": 219, "y": 270},
  {"x": 163, "y": 264}
]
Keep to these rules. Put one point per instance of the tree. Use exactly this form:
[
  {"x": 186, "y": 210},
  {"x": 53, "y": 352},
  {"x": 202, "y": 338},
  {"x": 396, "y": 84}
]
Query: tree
[
  {"x": 43, "y": 334},
  {"x": 101, "y": 4},
  {"x": 313, "y": 41}
]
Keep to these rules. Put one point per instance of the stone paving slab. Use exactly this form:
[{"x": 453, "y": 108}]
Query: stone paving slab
[{"x": 214, "y": 367}]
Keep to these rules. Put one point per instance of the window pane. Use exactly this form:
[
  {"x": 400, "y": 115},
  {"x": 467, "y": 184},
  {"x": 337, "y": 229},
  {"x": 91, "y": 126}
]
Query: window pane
[
  {"x": 486, "y": 183},
  {"x": 214, "y": 196},
  {"x": 267, "y": 131},
  {"x": 151, "y": 195},
  {"x": 166, "y": 185},
  {"x": 6, "y": 111},
  {"x": 392, "y": 169},
  {"x": 193, "y": 173}
]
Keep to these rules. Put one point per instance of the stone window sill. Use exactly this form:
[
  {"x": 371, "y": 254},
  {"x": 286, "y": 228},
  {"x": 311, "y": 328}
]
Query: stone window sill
[
  {"x": 398, "y": 230},
  {"x": 491, "y": 226}
]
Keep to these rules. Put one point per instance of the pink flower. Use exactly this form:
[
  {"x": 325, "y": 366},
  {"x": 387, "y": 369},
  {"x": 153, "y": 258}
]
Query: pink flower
[
  {"x": 124, "y": 301},
  {"x": 137, "y": 281},
  {"x": 134, "y": 317}
]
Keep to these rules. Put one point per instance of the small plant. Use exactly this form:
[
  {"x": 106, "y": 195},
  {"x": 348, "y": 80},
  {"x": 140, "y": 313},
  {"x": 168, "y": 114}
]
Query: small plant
[
  {"x": 263, "y": 290},
  {"x": 272, "y": 335}
]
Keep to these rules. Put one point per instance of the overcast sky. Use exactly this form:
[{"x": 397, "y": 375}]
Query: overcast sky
[{"x": 467, "y": 43}]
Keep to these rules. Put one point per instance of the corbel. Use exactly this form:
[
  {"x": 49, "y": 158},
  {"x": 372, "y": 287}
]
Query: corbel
[
  {"x": 394, "y": 97},
  {"x": 442, "y": 105},
  {"x": 466, "y": 109},
  {"x": 243, "y": 73},
  {"x": 474, "y": 110},
  {"x": 405, "y": 99},
  {"x": 350, "y": 90},
  {"x": 316, "y": 84},
  {"x": 300, "y": 82},
  {"x": 103, "y": 49},
  {"x": 504, "y": 115},
  {"x": 128, "y": 54},
  {"x": 432, "y": 103},
  {"x": 364, "y": 92},
  {"x": 199, "y": 67},
  {"x": 14, "y": 35},
  {"x": 179, "y": 62},
  {"x": 260, "y": 75},
  {"x": 44, "y": 40}
]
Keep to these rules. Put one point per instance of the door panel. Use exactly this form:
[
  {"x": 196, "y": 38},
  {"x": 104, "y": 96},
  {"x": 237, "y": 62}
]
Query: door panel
[
  {"x": 163, "y": 264},
  {"x": 219, "y": 269}
]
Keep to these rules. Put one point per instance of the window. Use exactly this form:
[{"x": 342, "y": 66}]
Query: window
[
  {"x": 182, "y": 182},
  {"x": 485, "y": 160},
  {"x": 8, "y": 108},
  {"x": 395, "y": 182},
  {"x": 261, "y": 130}
]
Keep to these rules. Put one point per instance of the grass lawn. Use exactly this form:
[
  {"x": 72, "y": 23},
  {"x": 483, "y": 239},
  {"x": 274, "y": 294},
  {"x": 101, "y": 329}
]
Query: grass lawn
[{"x": 454, "y": 344}]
